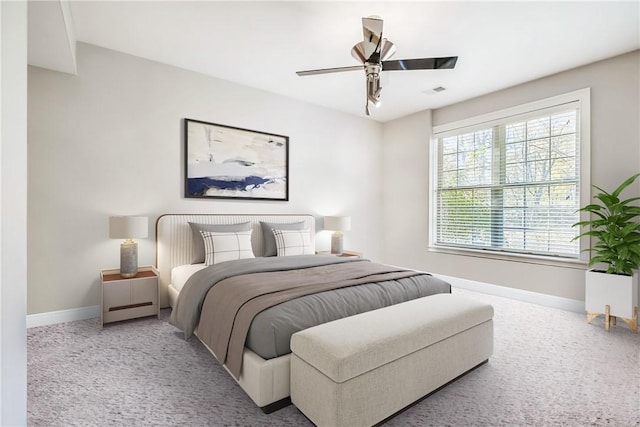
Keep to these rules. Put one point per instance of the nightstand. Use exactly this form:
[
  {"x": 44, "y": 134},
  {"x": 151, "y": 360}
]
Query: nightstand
[
  {"x": 129, "y": 298},
  {"x": 344, "y": 254}
]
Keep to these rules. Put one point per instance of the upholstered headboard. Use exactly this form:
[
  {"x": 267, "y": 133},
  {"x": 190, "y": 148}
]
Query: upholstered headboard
[{"x": 174, "y": 244}]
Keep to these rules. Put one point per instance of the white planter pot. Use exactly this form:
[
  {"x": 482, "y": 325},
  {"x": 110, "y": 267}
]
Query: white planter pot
[{"x": 620, "y": 293}]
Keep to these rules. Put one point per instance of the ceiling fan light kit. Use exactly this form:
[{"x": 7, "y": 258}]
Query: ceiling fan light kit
[{"x": 373, "y": 53}]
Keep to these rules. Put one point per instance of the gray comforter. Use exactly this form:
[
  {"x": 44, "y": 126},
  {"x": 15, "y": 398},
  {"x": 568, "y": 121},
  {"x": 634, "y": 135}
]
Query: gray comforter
[
  {"x": 186, "y": 314},
  {"x": 270, "y": 331}
]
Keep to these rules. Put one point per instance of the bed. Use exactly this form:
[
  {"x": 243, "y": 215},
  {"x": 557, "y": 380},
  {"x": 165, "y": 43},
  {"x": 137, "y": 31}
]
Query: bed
[{"x": 264, "y": 377}]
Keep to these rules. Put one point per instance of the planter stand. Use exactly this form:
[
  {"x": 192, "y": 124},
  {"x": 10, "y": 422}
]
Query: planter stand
[{"x": 608, "y": 319}]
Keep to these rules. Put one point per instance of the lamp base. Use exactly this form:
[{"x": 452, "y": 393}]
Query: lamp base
[
  {"x": 128, "y": 259},
  {"x": 336, "y": 243}
]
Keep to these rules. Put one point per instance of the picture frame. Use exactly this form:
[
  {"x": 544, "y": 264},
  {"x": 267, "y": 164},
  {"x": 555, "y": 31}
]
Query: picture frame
[{"x": 226, "y": 162}]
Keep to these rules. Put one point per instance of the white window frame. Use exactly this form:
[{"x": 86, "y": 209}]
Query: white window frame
[{"x": 583, "y": 98}]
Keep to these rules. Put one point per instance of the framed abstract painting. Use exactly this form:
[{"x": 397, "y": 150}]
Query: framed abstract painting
[{"x": 234, "y": 163}]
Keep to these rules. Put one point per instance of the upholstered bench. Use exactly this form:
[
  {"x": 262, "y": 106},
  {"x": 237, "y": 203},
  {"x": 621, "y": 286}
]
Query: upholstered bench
[{"x": 362, "y": 369}]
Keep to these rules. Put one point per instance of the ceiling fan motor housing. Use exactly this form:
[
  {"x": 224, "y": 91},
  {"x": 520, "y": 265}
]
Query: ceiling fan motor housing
[{"x": 373, "y": 83}]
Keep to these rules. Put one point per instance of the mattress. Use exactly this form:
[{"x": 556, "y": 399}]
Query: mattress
[{"x": 180, "y": 274}]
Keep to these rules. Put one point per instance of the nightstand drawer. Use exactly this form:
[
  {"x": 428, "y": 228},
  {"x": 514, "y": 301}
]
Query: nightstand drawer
[
  {"x": 145, "y": 290},
  {"x": 128, "y": 298},
  {"x": 116, "y": 294}
]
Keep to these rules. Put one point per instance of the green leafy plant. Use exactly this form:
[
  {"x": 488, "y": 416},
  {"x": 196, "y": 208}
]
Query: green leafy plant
[{"x": 616, "y": 229}]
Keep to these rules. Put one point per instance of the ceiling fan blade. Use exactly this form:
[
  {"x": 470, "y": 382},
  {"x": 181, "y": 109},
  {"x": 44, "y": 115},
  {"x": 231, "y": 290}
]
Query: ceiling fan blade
[
  {"x": 329, "y": 70},
  {"x": 388, "y": 49},
  {"x": 357, "y": 51},
  {"x": 372, "y": 32},
  {"x": 420, "y": 64}
]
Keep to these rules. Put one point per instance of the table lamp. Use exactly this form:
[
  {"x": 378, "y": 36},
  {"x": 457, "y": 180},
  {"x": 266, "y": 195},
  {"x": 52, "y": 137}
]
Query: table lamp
[
  {"x": 128, "y": 227},
  {"x": 337, "y": 224}
]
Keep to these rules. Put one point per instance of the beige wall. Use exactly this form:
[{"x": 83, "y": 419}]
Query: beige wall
[
  {"x": 406, "y": 189},
  {"x": 109, "y": 142},
  {"x": 615, "y": 155}
]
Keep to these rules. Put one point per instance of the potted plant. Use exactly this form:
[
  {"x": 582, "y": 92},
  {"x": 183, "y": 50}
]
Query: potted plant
[{"x": 614, "y": 224}]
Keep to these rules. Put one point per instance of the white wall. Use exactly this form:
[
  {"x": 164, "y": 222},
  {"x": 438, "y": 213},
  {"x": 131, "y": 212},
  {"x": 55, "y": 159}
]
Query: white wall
[
  {"x": 615, "y": 150},
  {"x": 109, "y": 141},
  {"x": 13, "y": 213}
]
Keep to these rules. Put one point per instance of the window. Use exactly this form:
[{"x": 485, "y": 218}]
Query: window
[{"x": 512, "y": 181}]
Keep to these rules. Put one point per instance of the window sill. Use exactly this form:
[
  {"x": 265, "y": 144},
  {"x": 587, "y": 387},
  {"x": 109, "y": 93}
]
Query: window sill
[{"x": 578, "y": 264}]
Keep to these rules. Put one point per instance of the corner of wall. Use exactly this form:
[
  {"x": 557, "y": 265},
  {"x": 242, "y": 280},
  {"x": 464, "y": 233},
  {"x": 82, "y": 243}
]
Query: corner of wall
[
  {"x": 405, "y": 192},
  {"x": 13, "y": 215}
]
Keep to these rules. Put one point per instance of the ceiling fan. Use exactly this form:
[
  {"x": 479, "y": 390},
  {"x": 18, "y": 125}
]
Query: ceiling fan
[{"x": 373, "y": 53}]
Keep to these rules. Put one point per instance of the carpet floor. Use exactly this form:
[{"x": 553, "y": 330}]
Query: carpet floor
[{"x": 549, "y": 368}]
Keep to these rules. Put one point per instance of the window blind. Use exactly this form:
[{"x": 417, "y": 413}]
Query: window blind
[{"x": 512, "y": 184}]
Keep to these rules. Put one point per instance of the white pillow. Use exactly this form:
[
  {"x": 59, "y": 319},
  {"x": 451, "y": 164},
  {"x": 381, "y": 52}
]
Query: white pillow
[
  {"x": 226, "y": 246},
  {"x": 293, "y": 242}
]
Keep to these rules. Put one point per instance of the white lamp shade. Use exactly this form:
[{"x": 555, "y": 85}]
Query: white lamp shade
[
  {"x": 337, "y": 223},
  {"x": 128, "y": 227}
]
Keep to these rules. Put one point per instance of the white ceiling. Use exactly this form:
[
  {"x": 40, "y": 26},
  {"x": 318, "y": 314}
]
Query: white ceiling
[{"x": 262, "y": 44}]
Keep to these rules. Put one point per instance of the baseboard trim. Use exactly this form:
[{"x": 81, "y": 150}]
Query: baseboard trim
[
  {"x": 517, "y": 294},
  {"x": 62, "y": 316}
]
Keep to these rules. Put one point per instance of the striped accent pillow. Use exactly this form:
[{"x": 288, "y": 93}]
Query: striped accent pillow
[
  {"x": 293, "y": 242},
  {"x": 226, "y": 246}
]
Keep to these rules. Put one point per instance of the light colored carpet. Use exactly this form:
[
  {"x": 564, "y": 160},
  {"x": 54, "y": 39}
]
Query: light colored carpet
[{"x": 549, "y": 368}]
